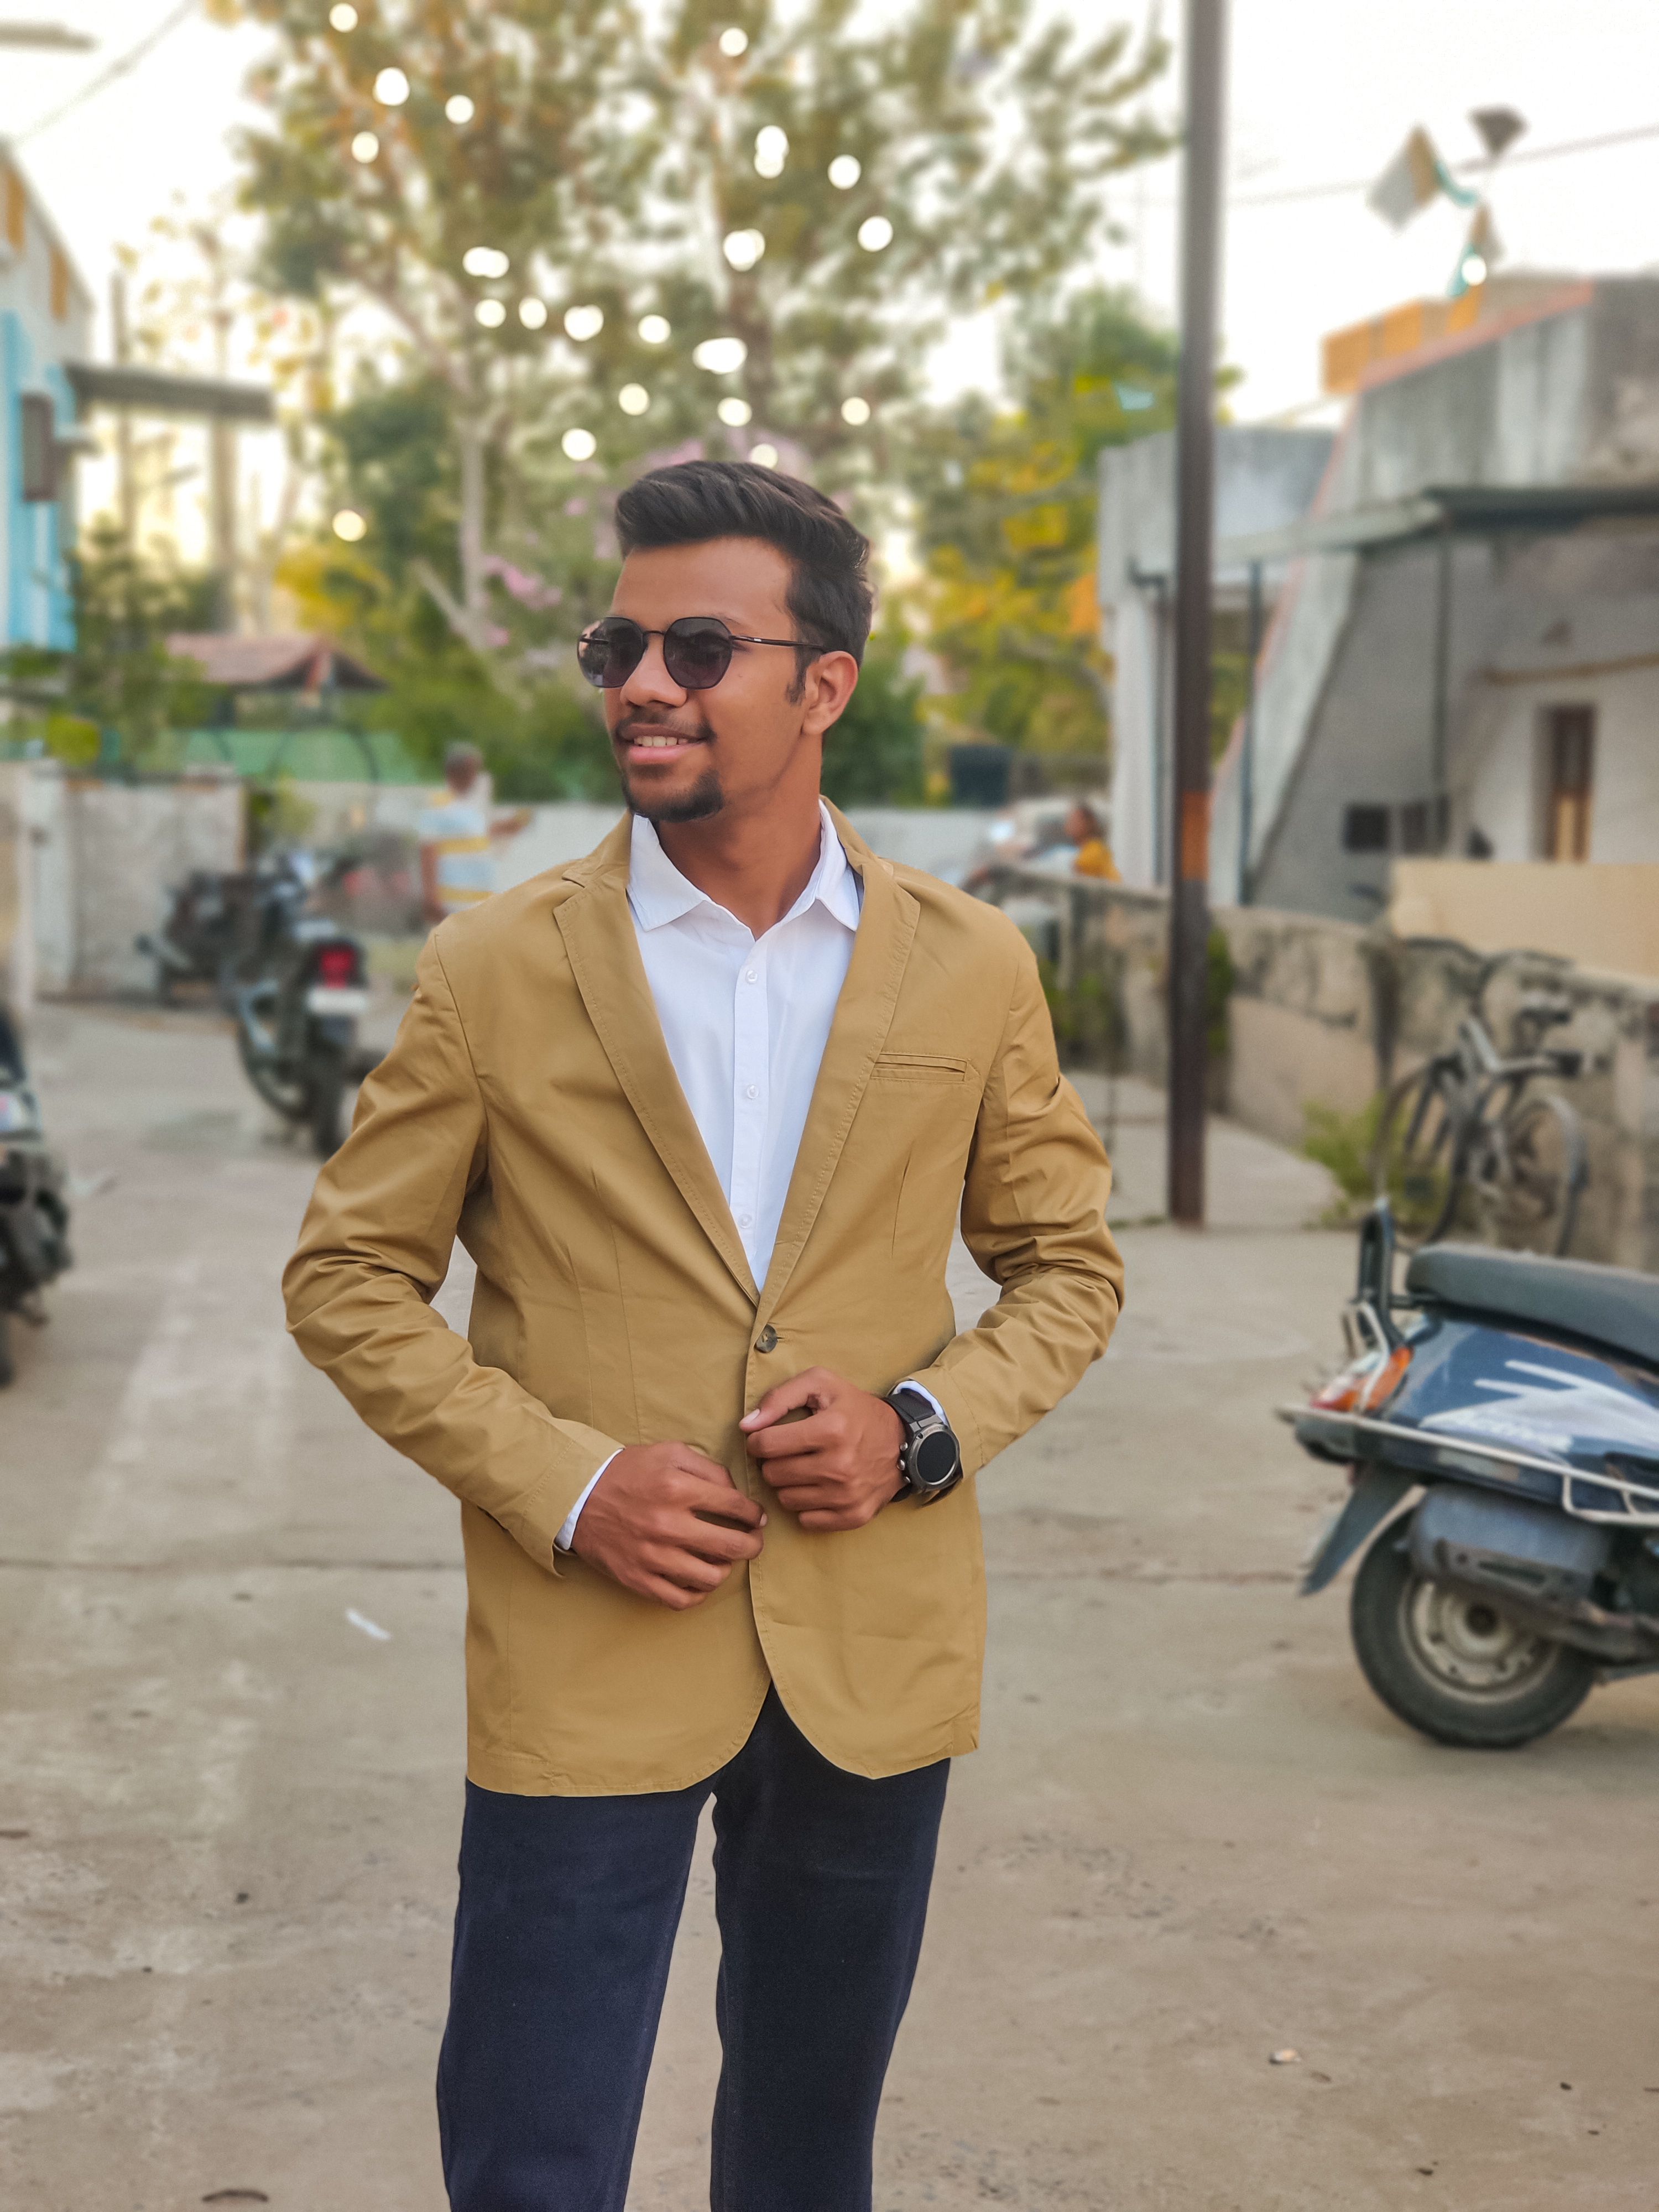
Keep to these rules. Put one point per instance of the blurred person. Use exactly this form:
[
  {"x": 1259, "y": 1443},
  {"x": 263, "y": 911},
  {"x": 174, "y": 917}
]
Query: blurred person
[
  {"x": 705, "y": 1108},
  {"x": 1092, "y": 855},
  {"x": 457, "y": 866}
]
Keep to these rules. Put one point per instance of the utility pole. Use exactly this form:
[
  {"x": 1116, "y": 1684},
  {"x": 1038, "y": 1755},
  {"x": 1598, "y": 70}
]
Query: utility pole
[{"x": 1189, "y": 852}]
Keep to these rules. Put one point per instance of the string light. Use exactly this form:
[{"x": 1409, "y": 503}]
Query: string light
[
  {"x": 392, "y": 88},
  {"x": 459, "y": 108},
  {"x": 875, "y": 232},
  {"x": 855, "y": 411},
  {"x": 579, "y": 445},
  {"x": 845, "y": 172},
  {"x": 765, "y": 456},
  {"x": 634, "y": 399},
  {"x": 771, "y": 151},
  {"x": 349, "y": 526},
  {"x": 364, "y": 146},
  {"x": 743, "y": 248},
  {"x": 733, "y": 42},
  {"x": 583, "y": 323},
  {"x": 720, "y": 356},
  {"x": 655, "y": 330},
  {"x": 343, "y": 16},
  {"x": 533, "y": 313},
  {"x": 492, "y": 314},
  {"x": 485, "y": 261},
  {"x": 734, "y": 412}
]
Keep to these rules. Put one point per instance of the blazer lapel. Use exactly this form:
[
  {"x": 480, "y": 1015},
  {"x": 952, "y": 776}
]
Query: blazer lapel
[
  {"x": 598, "y": 929},
  {"x": 864, "y": 1014}
]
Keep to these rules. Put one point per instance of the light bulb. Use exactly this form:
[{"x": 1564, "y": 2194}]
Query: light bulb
[
  {"x": 771, "y": 150},
  {"x": 655, "y": 330},
  {"x": 492, "y": 314},
  {"x": 1474, "y": 269},
  {"x": 459, "y": 108},
  {"x": 364, "y": 146},
  {"x": 743, "y": 248},
  {"x": 392, "y": 88},
  {"x": 533, "y": 313},
  {"x": 734, "y": 412},
  {"x": 765, "y": 456},
  {"x": 485, "y": 261},
  {"x": 343, "y": 16},
  {"x": 583, "y": 323},
  {"x": 734, "y": 42},
  {"x": 855, "y": 411},
  {"x": 350, "y": 525},
  {"x": 720, "y": 356},
  {"x": 579, "y": 445},
  {"x": 875, "y": 232},
  {"x": 845, "y": 172},
  {"x": 634, "y": 399}
]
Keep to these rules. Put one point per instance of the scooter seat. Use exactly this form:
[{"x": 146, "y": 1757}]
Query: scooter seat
[{"x": 1616, "y": 1307}]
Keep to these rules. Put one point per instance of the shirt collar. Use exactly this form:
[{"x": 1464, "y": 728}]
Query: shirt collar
[{"x": 658, "y": 893}]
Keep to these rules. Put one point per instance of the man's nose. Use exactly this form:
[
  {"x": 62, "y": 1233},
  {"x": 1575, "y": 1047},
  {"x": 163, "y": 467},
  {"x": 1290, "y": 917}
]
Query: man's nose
[{"x": 650, "y": 683}]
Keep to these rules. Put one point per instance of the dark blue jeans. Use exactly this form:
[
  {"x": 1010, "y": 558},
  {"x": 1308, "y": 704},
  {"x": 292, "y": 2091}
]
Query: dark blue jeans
[{"x": 568, "y": 1911}]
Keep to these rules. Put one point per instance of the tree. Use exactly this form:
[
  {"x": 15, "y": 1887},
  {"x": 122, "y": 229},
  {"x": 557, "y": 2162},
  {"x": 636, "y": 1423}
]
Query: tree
[
  {"x": 817, "y": 194},
  {"x": 1007, "y": 517}
]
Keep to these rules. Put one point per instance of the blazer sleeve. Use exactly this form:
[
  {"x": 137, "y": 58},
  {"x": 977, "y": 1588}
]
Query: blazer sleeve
[
  {"x": 374, "y": 1250},
  {"x": 1034, "y": 1217}
]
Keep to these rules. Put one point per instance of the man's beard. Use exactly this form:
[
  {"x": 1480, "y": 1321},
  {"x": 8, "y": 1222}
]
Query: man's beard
[{"x": 705, "y": 797}]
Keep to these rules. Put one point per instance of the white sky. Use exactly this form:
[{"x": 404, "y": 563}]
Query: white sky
[{"x": 1320, "y": 89}]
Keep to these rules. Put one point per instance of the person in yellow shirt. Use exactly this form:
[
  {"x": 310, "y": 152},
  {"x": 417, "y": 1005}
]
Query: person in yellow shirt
[
  {"x": 458, "y": 868},
  {"x": 1083, "y": 829}
]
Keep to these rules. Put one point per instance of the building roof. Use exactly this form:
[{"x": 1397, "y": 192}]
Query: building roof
[
  {"x": 166, "y": 391},
  {"x": 1470, "y": 510},
  {"x": 312, "y": 663}
]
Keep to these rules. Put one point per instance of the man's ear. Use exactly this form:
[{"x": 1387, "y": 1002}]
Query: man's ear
[{"x": 831, "y": 683}]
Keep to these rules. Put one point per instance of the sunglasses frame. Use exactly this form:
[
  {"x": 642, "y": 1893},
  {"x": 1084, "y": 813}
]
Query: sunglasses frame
[{"x": 731, "y": 638}]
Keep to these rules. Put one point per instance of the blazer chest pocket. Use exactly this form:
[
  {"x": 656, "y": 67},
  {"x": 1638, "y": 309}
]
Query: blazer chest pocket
[{"x": 930, "y": 1068}]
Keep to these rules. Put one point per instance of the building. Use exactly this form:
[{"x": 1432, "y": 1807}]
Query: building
[{"x": 45, "y": 325}]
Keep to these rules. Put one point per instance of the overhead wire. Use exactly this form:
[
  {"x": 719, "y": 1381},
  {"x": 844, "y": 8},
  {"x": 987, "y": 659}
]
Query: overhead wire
[{"x": 107, "y": 76}]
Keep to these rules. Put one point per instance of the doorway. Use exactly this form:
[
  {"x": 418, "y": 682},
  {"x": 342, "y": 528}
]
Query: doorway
[{"x": 1569, "y": 779}]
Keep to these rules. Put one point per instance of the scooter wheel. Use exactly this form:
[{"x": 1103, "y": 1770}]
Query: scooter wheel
[
  {"x": 327, "y": 1113},
  {"x": 1454, "y": 1666}
]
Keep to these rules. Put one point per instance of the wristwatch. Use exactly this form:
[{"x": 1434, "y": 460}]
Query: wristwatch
[{"x": 930, "y": 1458}]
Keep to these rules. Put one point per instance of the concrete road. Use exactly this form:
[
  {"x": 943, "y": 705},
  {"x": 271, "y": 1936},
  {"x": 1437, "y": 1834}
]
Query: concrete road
[{"x": 231, "y": 1737}]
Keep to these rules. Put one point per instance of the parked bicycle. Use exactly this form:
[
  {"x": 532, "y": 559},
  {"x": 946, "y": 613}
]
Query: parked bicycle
[{"x": 1464, "y": 1142}]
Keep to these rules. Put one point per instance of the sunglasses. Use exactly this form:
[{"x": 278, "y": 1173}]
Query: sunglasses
[{"x": 696, "y": 650}]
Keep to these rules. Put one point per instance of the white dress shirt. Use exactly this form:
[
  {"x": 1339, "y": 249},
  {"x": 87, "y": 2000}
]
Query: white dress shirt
[{"x": 745, "y": 1019}]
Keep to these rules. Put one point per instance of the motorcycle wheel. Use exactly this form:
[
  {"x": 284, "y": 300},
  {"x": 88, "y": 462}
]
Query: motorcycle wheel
[
  {"x": 327, "y": 1113},
  {"x": 1454, "y": 1667}
]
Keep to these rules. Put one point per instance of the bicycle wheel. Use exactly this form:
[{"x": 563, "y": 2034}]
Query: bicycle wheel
[
  {"x": 1540, "y": 1174},
  {"x": 1416, "y": 1159}
]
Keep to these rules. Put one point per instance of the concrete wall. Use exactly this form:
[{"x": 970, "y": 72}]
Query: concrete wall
[
  {"x": 16, "y": 919},
  {"x": 1328, "y": 1013},
  {"x": 1596, "y": 913},
  {"x": 104, "y": 858}
]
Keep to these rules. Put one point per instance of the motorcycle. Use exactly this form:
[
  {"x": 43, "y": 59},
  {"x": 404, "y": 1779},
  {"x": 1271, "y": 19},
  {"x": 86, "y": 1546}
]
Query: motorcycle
[
  {"x": 209, "y": 920},
  {"x": 1500, "y": 1424},
  {"x": 296, "y": 1013},
  {"x": 33, "y": 1212}
]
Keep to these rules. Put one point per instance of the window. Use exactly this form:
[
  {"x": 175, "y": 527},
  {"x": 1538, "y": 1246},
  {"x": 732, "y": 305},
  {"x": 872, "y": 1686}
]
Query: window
[
  {"x": 1424, "y": 824},
  {"x": 16, "y": 209},
  {"x": 39, "y": 451},
  {"x": 1364, "y": 829},
  {"x": 1570, "y": 763},
  {"x": 60, "y": 285}
]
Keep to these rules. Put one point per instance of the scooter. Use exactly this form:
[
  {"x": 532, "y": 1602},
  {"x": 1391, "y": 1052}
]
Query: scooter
[
  {"x": 1500, "y": 1424},
  {"x": 296, "y": 1016},
  {"x": 33, "y": 1213}
]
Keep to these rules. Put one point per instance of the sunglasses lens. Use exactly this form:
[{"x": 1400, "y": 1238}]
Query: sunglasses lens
[
  {"x": 611, "y": 652},
  {"x": 697, "y": 652}
]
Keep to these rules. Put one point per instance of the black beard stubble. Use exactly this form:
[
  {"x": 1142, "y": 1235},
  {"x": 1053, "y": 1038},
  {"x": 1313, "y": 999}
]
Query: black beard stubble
[{"x": 705, "y": 797}]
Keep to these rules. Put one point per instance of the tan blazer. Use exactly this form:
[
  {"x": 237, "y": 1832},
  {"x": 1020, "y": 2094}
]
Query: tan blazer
[{"x": 529, "y": 1106}]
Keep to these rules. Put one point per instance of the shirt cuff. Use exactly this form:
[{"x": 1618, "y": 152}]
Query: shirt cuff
[
  {"x": 911, "y": 1383},
  {"x": 566, "y": 1534}
]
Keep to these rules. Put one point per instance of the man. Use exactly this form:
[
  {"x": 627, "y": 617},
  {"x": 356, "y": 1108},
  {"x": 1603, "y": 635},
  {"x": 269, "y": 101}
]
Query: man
[
  {"x": 457, "y": 869},
  {"x": 704, "y": 1108}
]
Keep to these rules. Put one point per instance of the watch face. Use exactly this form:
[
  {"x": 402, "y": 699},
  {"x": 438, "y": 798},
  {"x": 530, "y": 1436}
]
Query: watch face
[{"x": 935, "y": 1460}]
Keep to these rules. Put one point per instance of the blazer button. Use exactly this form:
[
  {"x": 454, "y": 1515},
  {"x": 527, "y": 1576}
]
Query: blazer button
[{"x": 768, "y": 1339}]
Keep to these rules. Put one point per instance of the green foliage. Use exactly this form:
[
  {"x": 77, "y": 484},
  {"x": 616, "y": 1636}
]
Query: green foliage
[
  {"x": 873, "y": 755},
  {"x": 1219, "y": 977},
  {"x": 118, "y": 694},
  {"x": 1345, "y": 1144},
  {"x": 1006, "y": 502},
  {"x": 1087, "y": 1016}
]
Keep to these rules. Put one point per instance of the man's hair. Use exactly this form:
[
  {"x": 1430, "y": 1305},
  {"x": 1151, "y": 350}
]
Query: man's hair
[{"x": 828, "y": 598}]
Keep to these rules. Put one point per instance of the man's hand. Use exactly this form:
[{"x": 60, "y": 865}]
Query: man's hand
[
  {"x": 667, "y": 1523},
  {"x": 839, "y": 1467}
]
